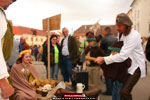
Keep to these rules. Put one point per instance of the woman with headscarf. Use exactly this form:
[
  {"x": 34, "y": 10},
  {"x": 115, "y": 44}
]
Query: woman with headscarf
[{"x": 24, "y": 77}]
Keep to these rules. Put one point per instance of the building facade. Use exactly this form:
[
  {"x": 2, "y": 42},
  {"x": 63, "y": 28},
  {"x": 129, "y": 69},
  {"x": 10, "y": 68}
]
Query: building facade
[
  {"x": 33, "y": 36},
  {"x": 32, "y": 39},
  {"x": 140, "y": 15}
]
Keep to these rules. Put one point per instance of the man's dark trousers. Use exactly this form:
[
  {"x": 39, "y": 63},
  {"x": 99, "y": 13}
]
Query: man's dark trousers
[
  {"x": 129, "y": 84},
  {"x": 66, "y": 68}
]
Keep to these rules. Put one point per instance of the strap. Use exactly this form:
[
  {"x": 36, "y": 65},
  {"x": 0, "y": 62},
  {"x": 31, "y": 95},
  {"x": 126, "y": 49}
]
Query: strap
[
  {"x": 3, "y": 11},
  {"x": 120, "y": 35}
]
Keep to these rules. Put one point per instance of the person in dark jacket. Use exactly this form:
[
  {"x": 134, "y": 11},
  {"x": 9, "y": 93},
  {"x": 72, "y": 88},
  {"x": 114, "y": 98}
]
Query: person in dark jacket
[
  {"x": 117, "y": 72},
  {"x": 55, "y": 56},
  {"x": 148, "y": 49},
  {"x": 36, "y": 52},
  {"x": 69, "y": 50},
  {"x": 107, "y": 41},
  {"x": 44, "y": 55},
  {"x": 23, "y": 45}
]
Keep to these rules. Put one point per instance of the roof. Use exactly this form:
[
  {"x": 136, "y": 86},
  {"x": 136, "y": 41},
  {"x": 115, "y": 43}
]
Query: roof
[
  {"x": 26, "y": 30},
  {"x": 132, "y": 3},
  {"x": 79, "y": 34},
  {"x": 85, "y": 28},
  {"x": 16, "y": 31}
]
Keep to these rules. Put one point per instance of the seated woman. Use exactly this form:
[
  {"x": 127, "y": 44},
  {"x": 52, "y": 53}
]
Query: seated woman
[{"x": 24, "y": 77}]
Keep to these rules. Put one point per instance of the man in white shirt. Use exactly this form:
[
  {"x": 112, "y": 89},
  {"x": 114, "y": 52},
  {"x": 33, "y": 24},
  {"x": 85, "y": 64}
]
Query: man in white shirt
[
  {"x": 132, "y": 48},
  {"x": 5, "y": 89}
]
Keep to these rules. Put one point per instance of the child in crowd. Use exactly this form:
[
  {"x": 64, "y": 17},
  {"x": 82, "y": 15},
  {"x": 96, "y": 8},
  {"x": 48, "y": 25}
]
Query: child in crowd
[
  {"x": 93, "y": 68},
  {"x": 117, "y": 72}
]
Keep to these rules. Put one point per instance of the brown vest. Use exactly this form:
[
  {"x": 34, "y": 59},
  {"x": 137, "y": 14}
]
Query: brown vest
[{"x": 7, "y": 39}]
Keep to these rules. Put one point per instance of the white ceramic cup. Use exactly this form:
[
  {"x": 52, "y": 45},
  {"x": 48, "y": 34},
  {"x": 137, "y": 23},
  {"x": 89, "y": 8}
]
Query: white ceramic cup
[{"x": 80, "y": 87}]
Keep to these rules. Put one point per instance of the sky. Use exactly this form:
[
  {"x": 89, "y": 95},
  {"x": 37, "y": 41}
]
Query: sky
[{"x": 74, "y": 13}]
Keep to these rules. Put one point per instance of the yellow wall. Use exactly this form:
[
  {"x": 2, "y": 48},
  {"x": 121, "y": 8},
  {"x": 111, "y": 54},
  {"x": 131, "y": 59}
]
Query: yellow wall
[{"x": 34, "y": 40}]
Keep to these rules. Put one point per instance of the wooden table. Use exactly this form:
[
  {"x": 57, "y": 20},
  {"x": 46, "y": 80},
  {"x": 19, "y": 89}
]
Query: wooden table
[{"x": 91, "y": 94}]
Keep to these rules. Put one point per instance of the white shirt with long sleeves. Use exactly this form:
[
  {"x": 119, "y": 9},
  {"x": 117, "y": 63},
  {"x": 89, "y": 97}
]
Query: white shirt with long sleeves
[
  {"x": 65, "y": 50},
  {"x": 132, "y": 47},
  {"x": 3, "y": 28}
]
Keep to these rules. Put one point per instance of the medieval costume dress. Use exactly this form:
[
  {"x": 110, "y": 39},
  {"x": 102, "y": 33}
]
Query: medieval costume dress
[{"x": 21, "y": 76}]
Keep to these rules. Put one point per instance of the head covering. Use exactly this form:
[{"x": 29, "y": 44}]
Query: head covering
[
  {"x": 116, "y": 46},
  {"x": 89, "y": 33},
  {"x": 123, "y": 18},
  {"x": 91, "y": 37},
  {"x": 23, "y": 52}
]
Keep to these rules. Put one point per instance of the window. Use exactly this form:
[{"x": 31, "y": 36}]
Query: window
[
  {"x": 27, "y": 38},
  {"x": 41, "y": 40},
  {"x": 135, "y": 16},
  {"x": 31, "y": 38},
  {"x": 138, "y": 13},
  {"x": 138, "y": 27},
  {"x": 36, "y": 39}
]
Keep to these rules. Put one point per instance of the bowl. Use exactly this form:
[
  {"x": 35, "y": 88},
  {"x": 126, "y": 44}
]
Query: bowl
[{"x": 44, "y": 94}]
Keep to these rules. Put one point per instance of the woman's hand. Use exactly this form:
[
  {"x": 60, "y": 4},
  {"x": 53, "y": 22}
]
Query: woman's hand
[{"x": 32, "y": 84}]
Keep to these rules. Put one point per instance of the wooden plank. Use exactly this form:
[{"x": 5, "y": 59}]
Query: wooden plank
[
  {"x": 52, "y": 23},
  {"x": 45, "y": 24},
  {"x": 55, "y": 22}
]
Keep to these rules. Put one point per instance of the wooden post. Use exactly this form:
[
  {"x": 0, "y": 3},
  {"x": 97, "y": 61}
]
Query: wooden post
[{"x": 48, "y": 47}]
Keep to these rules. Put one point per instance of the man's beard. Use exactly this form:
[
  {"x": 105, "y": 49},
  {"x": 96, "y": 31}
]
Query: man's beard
[{"x": 5, "y": 8}]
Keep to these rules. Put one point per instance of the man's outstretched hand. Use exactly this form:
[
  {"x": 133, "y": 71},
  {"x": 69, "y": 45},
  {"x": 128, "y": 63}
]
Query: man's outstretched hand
[
  {"x": 6, "y": 89},
  {"x": 99, "y": 60}
]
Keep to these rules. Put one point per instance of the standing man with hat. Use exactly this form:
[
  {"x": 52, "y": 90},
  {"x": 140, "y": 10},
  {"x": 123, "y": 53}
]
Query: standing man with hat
[
  {"x": 130, "y": 49},
  {"x": 6, "y": 38}
]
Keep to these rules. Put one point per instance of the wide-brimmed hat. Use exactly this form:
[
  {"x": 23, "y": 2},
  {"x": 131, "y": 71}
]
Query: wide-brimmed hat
[{"x": 123, "y": 18}]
